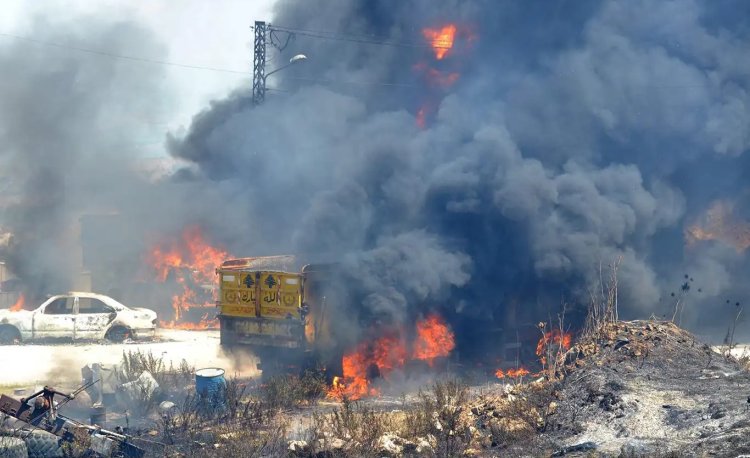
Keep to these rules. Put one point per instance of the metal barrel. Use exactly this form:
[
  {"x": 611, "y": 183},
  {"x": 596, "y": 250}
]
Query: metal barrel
[{"x": 209, "y": 381}]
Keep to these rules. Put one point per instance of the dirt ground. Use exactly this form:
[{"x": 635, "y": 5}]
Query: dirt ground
[{"x": 26, "y": 366}]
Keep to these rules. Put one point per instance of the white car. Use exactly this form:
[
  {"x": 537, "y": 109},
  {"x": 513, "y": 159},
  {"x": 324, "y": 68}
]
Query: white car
[{"x": 78, "y": 316}]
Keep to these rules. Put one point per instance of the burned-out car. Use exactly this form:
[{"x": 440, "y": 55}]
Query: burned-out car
[{"x": 78, "y": 316}]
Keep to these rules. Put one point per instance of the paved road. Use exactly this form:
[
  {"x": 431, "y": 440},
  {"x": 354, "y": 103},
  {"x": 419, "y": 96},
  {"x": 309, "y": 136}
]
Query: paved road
[{"x": 35, "y": 365}]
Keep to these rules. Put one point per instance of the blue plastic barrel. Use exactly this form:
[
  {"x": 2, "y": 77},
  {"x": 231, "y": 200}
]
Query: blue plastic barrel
[{"x": 209, "y": 381}]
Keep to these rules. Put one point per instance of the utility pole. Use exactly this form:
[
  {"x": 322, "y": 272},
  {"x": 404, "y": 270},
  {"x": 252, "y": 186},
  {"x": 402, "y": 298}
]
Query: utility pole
[{"x": 259, "y": 63}]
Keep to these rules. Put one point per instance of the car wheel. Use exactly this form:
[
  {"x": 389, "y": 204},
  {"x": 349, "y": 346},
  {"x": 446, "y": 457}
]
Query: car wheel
[
  {"x": 118, "y": 334},
  {"x": 9, "y": 335}
]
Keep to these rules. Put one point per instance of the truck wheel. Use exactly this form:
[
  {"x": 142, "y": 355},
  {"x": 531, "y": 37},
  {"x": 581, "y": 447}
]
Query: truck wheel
[
  {"x": 41, "y": 444},
  {"x": 9, "y": 335},
  {"x": 12, "y": 447},
  {"x": 118, "y": 334}
]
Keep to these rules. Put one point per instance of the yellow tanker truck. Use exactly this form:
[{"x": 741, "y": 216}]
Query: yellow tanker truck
[{"x": 277, "y": 313}]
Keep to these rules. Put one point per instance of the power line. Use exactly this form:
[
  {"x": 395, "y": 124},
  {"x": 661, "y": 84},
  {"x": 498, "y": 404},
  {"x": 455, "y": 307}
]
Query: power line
[
  {"x": 122, "y": 56},
  {"x": 353, "y": 39},
  {"x": 242, "y": 72},
  {"x": 192, "y": 66}
]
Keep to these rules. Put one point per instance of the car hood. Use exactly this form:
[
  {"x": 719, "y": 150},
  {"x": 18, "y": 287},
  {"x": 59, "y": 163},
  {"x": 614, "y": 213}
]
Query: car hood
[{"x": 8, "y": 315}]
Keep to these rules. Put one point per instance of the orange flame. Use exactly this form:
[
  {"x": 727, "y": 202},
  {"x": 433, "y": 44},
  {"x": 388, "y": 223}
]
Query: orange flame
[
  {"x": 354, "y": 383},
  {"x": 434, "y": 339},
  {"x": 388, "y": 353},
  {"x": 192, "y": 263},
  {"x": 204, "y": 324},
  {"x": 553, "y": 337},
  {"x": 720, "y": 224},
  {"x": 18, "y": 306},
  {"x": 440, "y": 39},
  {"x": 511, "y": 373}
]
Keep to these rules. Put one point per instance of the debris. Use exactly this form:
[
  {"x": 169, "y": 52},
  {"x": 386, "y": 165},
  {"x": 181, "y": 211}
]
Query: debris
[
  {"x": 103, "y": 391},
  {"x": 48, "y": 427},
  {"x": 102, "y": 444},
  {"x": 144, "y": 387}
]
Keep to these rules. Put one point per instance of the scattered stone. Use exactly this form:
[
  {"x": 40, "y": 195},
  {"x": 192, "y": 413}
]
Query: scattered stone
[
  {"x": 390, "y": 444},
  {"x": 298, "y": 447}
]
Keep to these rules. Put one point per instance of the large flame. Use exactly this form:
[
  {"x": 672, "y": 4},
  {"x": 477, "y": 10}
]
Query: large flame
[
  {"x": 191, "y": 261},
  {"x": 719, "y": 223},
  {"x": 389, "y": 352},
  {"x": 434, "y": 339},
  {"x": 555, "y": 337},
  {"x": 354, "y": 383},
  {"x": 18, "y": 306},
  {"x": 441, "y": 39}
]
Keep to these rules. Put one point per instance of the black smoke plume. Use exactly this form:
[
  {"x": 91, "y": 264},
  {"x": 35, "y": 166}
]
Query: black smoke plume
[{"x": 576, "y": 133}]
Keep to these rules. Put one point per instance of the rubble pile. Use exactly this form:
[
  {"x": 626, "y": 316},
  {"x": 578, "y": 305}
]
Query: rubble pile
[{"x": 640, "y": 388}]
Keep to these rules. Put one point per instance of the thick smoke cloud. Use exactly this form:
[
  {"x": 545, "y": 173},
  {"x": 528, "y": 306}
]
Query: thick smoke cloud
[
  {"x": 67, "y": 123},
  {"x": 578, "y": 133}
]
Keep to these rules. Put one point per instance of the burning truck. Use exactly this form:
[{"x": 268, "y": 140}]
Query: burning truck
[{"x": 286, "y": 318}]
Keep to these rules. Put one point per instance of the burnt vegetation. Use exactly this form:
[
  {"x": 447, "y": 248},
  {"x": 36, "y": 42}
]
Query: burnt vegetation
[{"x": 621, "y": 388}]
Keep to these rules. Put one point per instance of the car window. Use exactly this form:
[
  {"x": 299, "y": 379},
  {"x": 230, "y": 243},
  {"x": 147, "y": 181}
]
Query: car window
[
  {"x": 91, "y": 305},
  {"x": 60, "y": 306}
]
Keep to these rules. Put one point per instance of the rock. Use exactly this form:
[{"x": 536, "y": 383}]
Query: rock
[
  {"x": 390, "y": 444},
  {"x": 425, "y": 445},
  {"x": 167, "y": 407},
  {"x": 298, "y": 447},
  {"x": 552, "y": 408}
]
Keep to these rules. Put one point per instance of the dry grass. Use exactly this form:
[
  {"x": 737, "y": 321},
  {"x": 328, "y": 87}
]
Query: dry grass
[
  {"x": 246, "y": 422},
  {"x": 286, "y": 391},
  {"x": 434, "y": 425},
  {"x": 603, "y": 308}
]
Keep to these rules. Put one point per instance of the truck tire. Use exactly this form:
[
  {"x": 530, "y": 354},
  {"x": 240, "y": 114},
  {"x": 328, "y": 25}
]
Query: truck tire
[
  {"x": 41, "y": 444},
  {"x": 12, "y": 447}
]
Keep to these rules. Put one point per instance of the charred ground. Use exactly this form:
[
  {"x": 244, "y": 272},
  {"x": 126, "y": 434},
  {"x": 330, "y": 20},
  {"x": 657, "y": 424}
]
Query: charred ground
[
  {"x": 640, "y": 388},
  {"x": 626, "y": 389}
]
